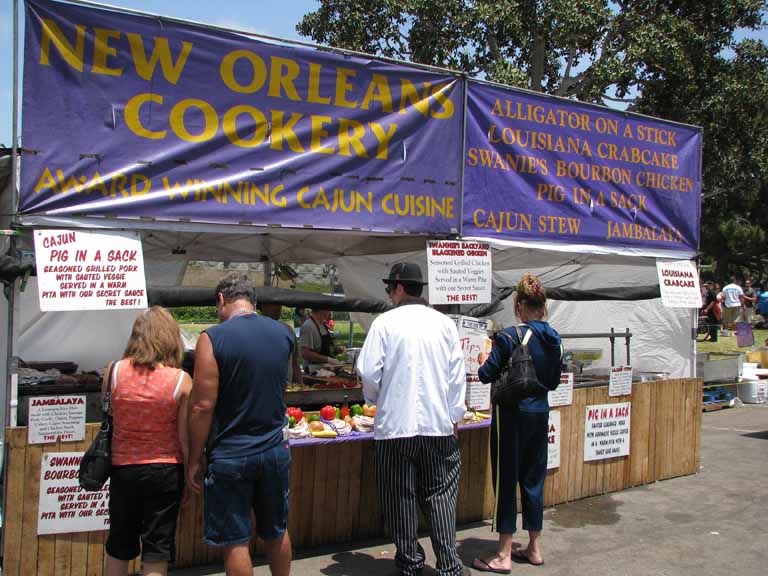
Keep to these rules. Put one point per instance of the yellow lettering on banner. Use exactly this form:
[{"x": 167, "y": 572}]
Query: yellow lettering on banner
[
  {"x": 229, "y": 124},
  {"x": 132, "y": 120},
  {"x": 378, "y": 91},
  {"x": 161, "y": 52},
  {"x": 300, "y": 197},
  {"x": 283, "y": 131},
  {"x": 343, "y": 86},
  {"x": 97, "y": 183},
  {"x": 410, "y": 93},
  {"x": 51, "y": 33},
  {"x": 46, "y": 182},
  {"x": 211, "y": 124},
  {"x": 282, "y": 73},
  {"x": 258, "y": 68},
  {"x": 118, "y": 185},
  {"x": 383, "y": 136},
  {"x": 440, "y": 92},
  {"x": 353, "y": 138},
  {"x": 137, "y": 179},
  {"x": 319, "y": 133},
  {"x": 313, "y": 90},
  {"x": 67, "y": 184},
  {"x": 503, "y": 220},
  {"x": 102, "y": 50}
]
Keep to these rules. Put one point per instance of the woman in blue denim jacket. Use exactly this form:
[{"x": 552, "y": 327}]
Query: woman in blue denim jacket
[{"x": 519, "y": 433}]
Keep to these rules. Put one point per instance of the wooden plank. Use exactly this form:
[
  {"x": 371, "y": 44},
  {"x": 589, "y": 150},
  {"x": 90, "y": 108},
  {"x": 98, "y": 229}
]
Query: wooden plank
[
  {"x": 199, "y": 547},
  {"x": 678, "y": 430},
  {"x": 46, "y": 545},
  {"x": 653, "y": 423},
  {"x": 640, "y": 426},
  {"x": 464, "y": 487},
  {"x": 32, "y": 464},
  {"x": 355, "y": 472},
  {"x": 371, "y": 523},
  {"x": 79, "y": 540},
  {"x": 698, "y": 401},
  {"x": 574, "y": 474},
  {"x": 479, "y": 458},
  {"x": 489, "y": 502},
  {"x": 318, "y": 505},
  {"x": 16, "y": 442},
  {"x": 560, "y": 488},
  {"x": 95, "y": 554},
  {"x": 305, "y": 495},
  {"x": 329, "y": 504},
  {"x": 185, "y": 532}
]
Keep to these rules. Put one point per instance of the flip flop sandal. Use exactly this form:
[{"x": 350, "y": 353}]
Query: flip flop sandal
[
  {"x": 522, "y": 557},
  {"x": 483, "y": 566}
]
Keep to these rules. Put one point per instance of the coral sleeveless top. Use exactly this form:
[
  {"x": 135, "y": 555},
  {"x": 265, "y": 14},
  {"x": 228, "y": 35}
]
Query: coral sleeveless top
[{"x": 144, "y": 413}]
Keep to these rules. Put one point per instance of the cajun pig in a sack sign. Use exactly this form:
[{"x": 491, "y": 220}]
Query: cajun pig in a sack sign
[
  {"x": 79, "y": 270},
  {"x": 606, "y": 431},
  {"x": 64, "y": 506}
]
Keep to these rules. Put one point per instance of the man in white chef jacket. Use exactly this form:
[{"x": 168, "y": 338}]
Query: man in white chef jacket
[{"x": 412, "y": 368}]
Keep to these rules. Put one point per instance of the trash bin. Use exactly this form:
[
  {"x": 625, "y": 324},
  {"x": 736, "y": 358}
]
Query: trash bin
[{"x": 744, "y": 335}]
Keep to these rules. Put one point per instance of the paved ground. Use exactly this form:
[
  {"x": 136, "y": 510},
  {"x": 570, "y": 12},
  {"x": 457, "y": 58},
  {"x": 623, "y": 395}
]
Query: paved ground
[{"x": 712, "y": 523}]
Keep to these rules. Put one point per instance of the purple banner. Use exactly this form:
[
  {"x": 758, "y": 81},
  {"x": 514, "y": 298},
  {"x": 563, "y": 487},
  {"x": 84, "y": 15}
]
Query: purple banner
[
  {"x": 139, "y": 117},
  {"x": 551, "y": 170}
]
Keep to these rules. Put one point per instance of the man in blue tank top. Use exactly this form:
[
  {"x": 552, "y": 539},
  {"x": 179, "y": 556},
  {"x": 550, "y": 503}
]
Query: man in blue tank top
[{"x": 237, "y": 408}]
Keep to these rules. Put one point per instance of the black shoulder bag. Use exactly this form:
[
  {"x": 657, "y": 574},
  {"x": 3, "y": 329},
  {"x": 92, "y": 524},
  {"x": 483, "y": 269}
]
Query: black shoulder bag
[
  {"x": 518, "y": 378},
  {"x": 96, "y": 464}
]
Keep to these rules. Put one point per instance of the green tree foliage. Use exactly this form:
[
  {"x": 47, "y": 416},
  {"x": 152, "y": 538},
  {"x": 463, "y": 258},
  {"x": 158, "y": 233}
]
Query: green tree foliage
[{"x": 675, "y": 59}]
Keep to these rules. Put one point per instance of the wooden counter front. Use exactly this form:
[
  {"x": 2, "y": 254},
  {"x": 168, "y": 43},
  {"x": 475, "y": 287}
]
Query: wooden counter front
[{"x": 333, "y": 486}]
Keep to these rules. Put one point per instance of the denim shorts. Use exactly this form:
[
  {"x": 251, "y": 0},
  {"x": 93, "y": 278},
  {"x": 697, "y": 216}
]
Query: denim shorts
[{"x": 236, "y": 486}]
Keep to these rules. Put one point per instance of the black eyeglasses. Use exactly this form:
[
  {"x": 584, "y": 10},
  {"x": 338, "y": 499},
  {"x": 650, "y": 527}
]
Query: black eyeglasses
[{"x": 388, "y": 288}]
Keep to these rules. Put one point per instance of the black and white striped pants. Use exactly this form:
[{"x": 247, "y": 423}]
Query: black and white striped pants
[{"x": 421, "y": 471}]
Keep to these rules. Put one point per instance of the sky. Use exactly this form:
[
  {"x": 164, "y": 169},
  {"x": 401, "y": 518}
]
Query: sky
[{"x": 271, "y": 17}]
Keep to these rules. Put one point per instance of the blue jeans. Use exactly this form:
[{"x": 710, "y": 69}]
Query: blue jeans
[
  {"x": 519, "y": 455},
  {"x": 236, "y": 486}
]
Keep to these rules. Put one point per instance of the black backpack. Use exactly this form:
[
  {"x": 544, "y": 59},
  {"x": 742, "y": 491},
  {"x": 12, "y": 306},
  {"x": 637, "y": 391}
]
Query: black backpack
[{"x": 518, "y": 378}]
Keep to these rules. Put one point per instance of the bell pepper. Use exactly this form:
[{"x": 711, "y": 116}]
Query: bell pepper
[
  {"x": 314, "y": 418},
  {"x": 291, "y": 421},
  {"x": 356, "y": 410},
  {"x": 344, "y": 412}
]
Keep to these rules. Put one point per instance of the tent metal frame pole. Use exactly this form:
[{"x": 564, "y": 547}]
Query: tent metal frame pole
[
  {"x": 465, "y": 87},
  {"x": 11, "y": 249}
]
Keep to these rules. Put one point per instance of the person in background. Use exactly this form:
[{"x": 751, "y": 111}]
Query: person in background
[
  {"x": 412, "y": 367},
  {"x": 712, "y": 310},
  {"x": 762, "y": 303},
  {"x": 315, "y": 340},
  {"x": 150, "y": 395},
  {"x": 238, "y": 401},
  {"x": 748, "y": 301},
  {"x": 299, "y": 317},
  {"x": 732, "y": 301},
  {"x": 274, "y": 310},
  {"x": 519, "y": 433}
]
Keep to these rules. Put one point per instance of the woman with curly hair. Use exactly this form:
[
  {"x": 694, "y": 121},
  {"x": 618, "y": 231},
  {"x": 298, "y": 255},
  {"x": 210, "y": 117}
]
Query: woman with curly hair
[{"x": 519, "y": 432}]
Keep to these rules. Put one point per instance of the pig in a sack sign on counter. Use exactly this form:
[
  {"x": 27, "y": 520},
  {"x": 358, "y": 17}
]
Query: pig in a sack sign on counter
[
  {"x": 79, "y": 270},
  {"x": 606, "y": 431},
  {"x": 553, "y": 440},
  {"x": 64, "y": 506}
]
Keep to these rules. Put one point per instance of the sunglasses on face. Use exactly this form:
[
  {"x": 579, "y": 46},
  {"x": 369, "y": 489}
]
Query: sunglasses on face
[{"x": 388, "y": 288}]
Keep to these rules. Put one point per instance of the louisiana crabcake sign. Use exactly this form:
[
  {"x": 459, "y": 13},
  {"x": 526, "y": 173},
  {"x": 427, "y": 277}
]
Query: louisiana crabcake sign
[
  {"x": 79, "y": 270},
  {"x": 679, "y": 284},
  {"x": 552, "y": 170},
  {"x": 139, "y": 117}
]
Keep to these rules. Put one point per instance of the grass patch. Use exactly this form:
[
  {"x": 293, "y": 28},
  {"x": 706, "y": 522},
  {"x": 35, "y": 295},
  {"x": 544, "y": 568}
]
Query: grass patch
[{"x": 728, "y": 343}]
